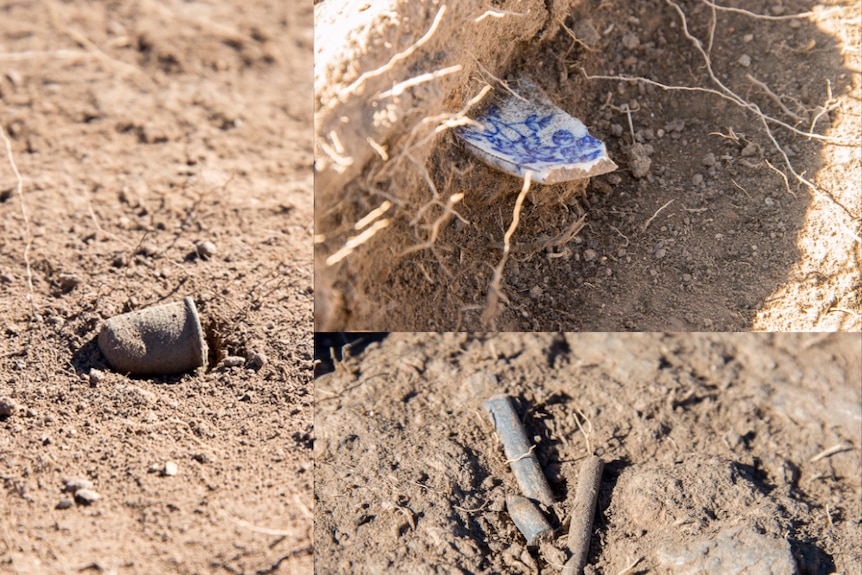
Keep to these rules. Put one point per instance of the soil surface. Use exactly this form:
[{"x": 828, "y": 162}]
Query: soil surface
[
  {"x": 703, "y": 436},
  {"x": 697, "y": 230},
  {"x": 141, "y": 131}
]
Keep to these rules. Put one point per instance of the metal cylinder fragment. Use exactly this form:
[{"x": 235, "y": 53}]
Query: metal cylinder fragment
[
  {"x": 583, "y": 511},
  {"x": 159, "y": 340},
  {"x": 518, "y": 449},
  {"x": 528, "y": 519}
]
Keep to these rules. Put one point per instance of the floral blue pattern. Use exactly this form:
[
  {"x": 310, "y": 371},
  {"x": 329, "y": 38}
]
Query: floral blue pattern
[
  {"x": 528, "y": 133},
  {"x": 529, "y": 142}
]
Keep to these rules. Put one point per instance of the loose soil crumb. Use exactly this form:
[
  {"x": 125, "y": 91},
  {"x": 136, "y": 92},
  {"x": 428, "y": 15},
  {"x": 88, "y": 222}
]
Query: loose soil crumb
[
  {"x": 740, "y": 444},
  {"x": 165, "y": 151}
]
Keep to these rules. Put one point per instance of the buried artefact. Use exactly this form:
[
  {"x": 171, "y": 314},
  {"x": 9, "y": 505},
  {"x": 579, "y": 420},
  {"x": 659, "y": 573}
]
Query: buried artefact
[
  {"x": 526, "y": 132},
  {"x": 159, "y": 340}
]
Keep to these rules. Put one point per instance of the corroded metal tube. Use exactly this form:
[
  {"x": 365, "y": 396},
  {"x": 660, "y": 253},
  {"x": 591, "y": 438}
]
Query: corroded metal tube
[
  {"x": 583, "y": 511},
  {"x": 528, "y": 519},
  {"x": 518, "y": 449}
]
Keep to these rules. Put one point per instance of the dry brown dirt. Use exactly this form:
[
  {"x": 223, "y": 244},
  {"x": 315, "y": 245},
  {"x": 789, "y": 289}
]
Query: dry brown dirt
[
  {"x": 709, "y": 238},
  {"x": 140, "y": 129},
  {"x": 699, "y": 433}
]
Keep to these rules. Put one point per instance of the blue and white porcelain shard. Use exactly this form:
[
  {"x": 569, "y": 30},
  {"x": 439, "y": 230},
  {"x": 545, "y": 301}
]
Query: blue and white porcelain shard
[{"x": 532, "y": 134}]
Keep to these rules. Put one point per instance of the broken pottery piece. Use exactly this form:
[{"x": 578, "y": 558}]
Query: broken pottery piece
[{"x": 529, "y": 133}]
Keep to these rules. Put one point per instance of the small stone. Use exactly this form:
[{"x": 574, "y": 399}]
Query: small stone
[
  {"x": 631, "y": 41},
  {"x": 616, "y": 130},
  {"x": 96, "y": 376},
  {"x": 660, "y": 253},
  {"x": 536, "y": 292},
  {"x": 86, "y": 496},
  {"x": 7, "y": 407},
  {"x": 749, "y": 150},
  {"x": 686, "y": 278},
  {"x": 676, "y": 125},
  {"x": 590, "y": 255},
  {"x": 202, "y": 457},
  {"x": 708, "y": 160},
  {"x": 233, "y": 361},
  {"x": 64, "y": 503},
  {"x": 777, "y": 10},
  {"x": 614, "y": 179},
  {"x": 795, "y": 24},
  {"x": 732, "y": 550},
  {"x": 68, "y": 282},
  {"x": 748, "y": 38},
  {"x": 769, "y": 201},
  {"x": 586, "y": 32},
  {"x": 206, "y": 249},
  {"x": 744, "y": 60},
  {"x": 170, "y": 469},
  {"x": 257, "y": 359},
  {"x": 639, "y": 160},
  {"x": 147, "y": 249},
  {"x": 75, "y": 484},
  {"x": 697, "y": 179}
]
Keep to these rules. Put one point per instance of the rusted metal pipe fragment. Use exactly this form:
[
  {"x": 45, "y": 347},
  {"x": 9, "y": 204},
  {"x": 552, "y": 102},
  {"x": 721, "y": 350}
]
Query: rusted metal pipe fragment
[
  {"x": 583, "y": 511},
  {"x": 528, "y": 519},
  {"x": 518, "y": 449}
]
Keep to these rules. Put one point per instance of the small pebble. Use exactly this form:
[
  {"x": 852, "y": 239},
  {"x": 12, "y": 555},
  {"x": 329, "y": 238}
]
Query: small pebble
[
  {"x": 148, "y": 249},
  {"x": 748, "y": 38},
  {"x": 709, "y": 159},
  {"x": 75, "y": 484},
  {"x": 96, "y": 376},
  {"x": 202, "y": 457},
  {"x": 206, "y": 249},
  {"x": 7, "y": 407},
  {"x": 795, "y": 24},
  {"x": 697, "y": 179},
  {"x": 233, "y": 361},
  {"x": 732, "y": 550},
  {"x": 777, "y": 10},
  {"x": 639, "y": 160},
  {"x": 68, "y": 282},
  {"x": 675, "y": 125},
  {"x": 631, "y": 41},
  {"x": 86, "y": 496},
  {"x": 744, "y": 60},
  {"x": 590, "y": 255},
  {"x": 660, "y": 253},
  {"x": 170, "y": 469},
  {"x": 749, "y": 150},
  {"x": 257, "y": 359},
  {"x": 64, "y": 503}
]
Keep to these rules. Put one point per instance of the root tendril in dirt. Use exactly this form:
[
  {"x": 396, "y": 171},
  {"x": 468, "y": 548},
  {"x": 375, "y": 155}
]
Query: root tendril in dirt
[
  {"x": 19, "y": 189},
  {"x": 494, "y": 291},
  {"x": 360, "y": 81}
]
